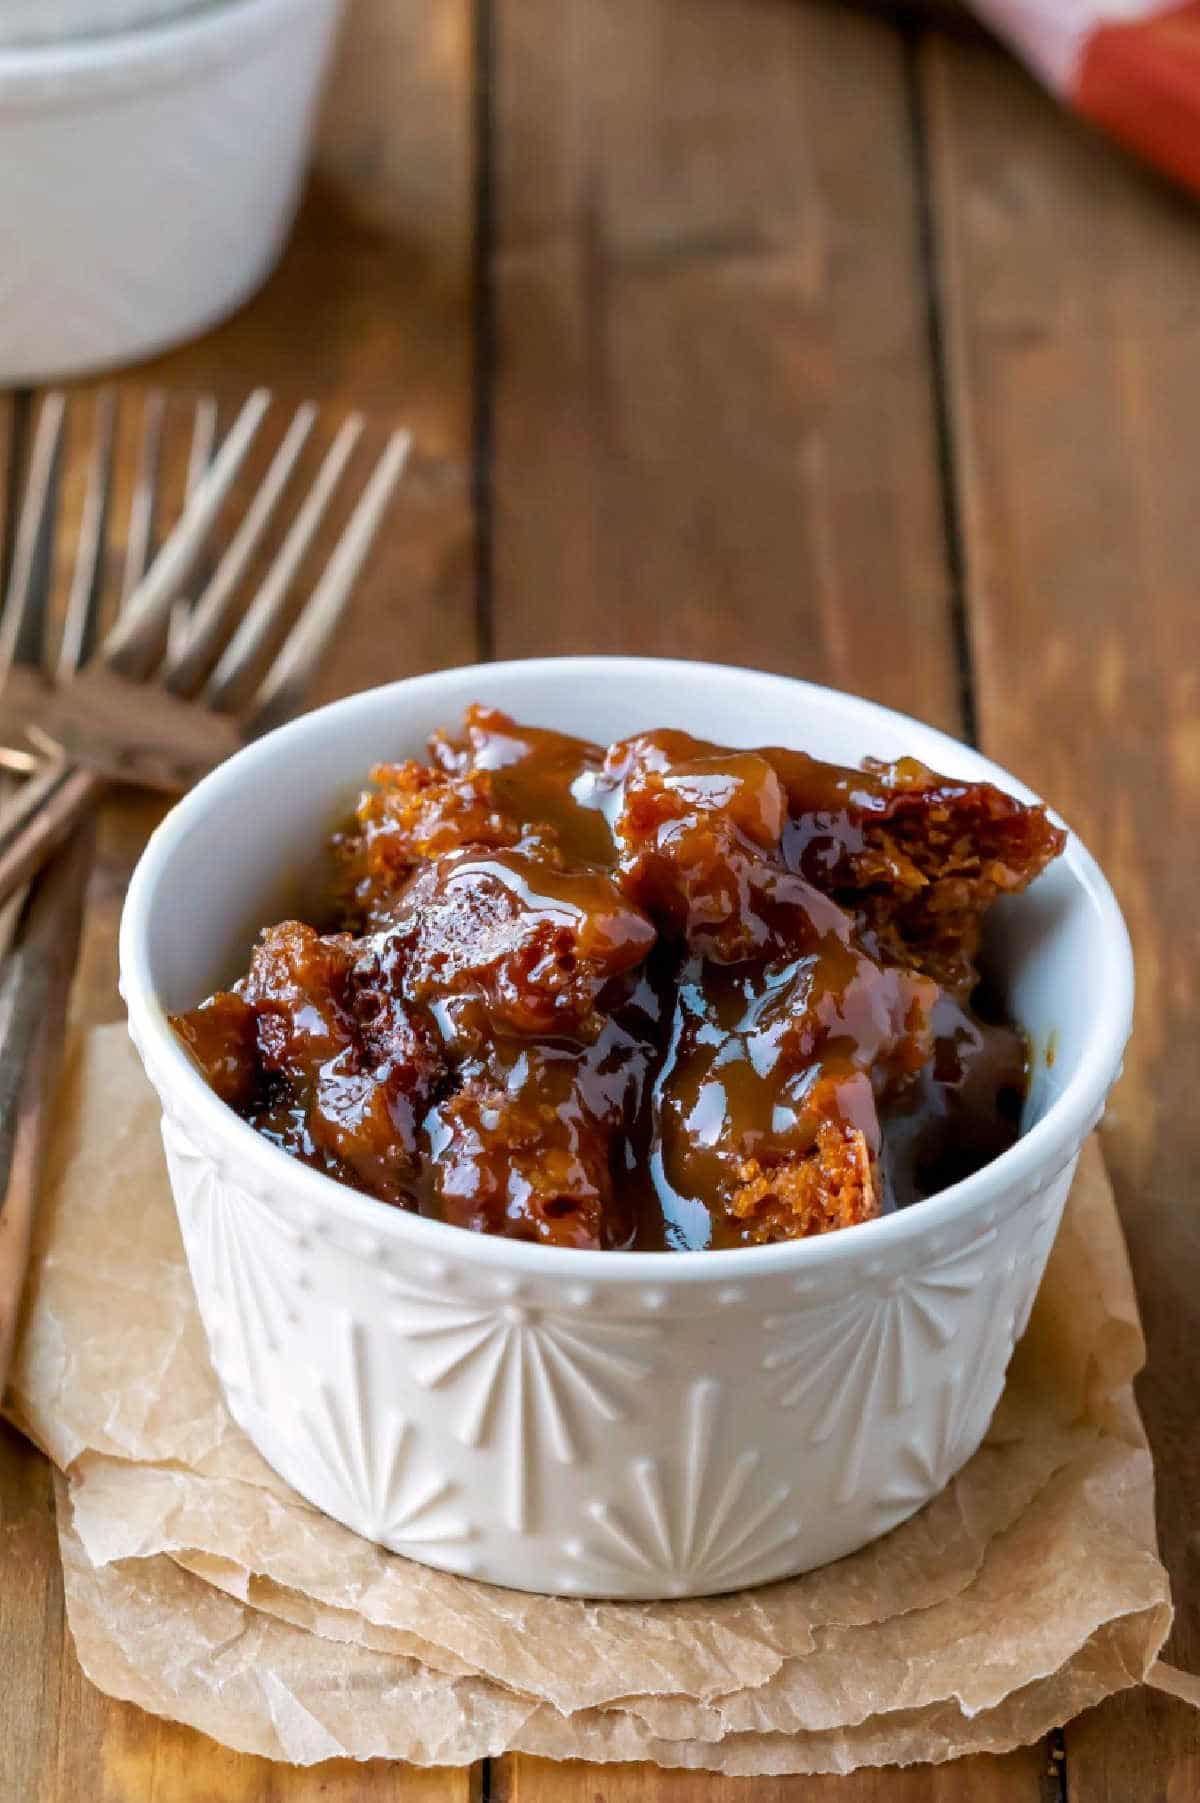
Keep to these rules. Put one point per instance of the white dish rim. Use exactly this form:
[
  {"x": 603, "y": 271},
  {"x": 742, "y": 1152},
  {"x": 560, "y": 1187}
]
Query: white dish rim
[
  {"x": 1032, "y": 1162},
  {"x": 178, "y": 46}
]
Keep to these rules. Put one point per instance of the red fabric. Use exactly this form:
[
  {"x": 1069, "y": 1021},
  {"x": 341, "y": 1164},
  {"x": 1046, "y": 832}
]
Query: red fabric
[{"x": 1141, "y": 82}]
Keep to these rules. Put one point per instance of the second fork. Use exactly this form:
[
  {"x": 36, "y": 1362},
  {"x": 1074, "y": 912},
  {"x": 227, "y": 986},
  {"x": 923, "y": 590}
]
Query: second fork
[{"x": 133, "y": 714}]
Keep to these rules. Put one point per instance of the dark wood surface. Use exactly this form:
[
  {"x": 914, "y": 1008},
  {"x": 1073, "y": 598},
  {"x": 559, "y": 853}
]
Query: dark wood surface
[
  {"x": 771, "y": 331},
  {"x": 1070, "y": 295}
]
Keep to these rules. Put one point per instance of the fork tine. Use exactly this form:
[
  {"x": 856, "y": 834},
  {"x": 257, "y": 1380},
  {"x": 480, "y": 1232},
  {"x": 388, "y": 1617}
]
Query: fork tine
[
  {"x": 200, "y": 455},
  {"x": 296, "y": 663},
  {"x": 143, "y": 507},
  {"x": 204, "y": 443},
  {"x": 11, "y": 407},
  {"x": 23, "y": 621},
  {"x": 255, "y": 627},
  {"x": 87, "y": 577},
  {"x": 208, "y": 616},
  {"x": 130, "y": 645}
]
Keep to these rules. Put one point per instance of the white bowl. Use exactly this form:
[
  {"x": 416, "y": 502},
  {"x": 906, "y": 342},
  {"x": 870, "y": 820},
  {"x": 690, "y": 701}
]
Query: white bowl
[
  {"x": 626, "y": 1424},
  {"x": 148, "y": 180},
  {"x": 51, "y": 21}
]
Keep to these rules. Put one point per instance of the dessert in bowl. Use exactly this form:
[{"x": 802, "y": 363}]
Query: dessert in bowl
[{"x": 510, "y": 1402}]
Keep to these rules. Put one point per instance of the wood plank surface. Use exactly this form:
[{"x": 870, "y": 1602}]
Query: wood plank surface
[
  {"x": 366, "y": 310},
  {"x": 1071, "y": 292},
  {"x": 712, "y": 420},
  {"x": 714, "y": 433},
  {"x": 1019, "y": 1777}
]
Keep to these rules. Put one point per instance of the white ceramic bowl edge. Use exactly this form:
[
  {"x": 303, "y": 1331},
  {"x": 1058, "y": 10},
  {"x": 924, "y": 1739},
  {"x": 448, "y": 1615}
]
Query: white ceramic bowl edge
[
  {"x": 618, "y": 1424},
  {"x": 27, "y": 22},
  {"x": 148, "y": 179}
]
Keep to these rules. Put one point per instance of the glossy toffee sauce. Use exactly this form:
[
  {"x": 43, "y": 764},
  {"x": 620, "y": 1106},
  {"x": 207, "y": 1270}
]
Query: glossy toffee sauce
[
  {"x": 964, "y": 1110},
  {"x": 696, "y": 1057}
]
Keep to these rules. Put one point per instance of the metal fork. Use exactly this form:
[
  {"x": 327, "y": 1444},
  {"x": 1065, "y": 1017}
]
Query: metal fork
[
  {"x": 151, "y": 705},
  {"x": 40, "y": 933},
  {"x": 43, "y": 928}
]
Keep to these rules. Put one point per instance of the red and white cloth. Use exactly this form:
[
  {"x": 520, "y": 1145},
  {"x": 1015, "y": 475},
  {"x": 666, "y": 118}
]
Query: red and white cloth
[{"x": 1130, "y": 66}]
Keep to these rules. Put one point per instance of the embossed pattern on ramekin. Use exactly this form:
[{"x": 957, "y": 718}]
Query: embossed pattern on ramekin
[{"x": 440, "y": 1408}]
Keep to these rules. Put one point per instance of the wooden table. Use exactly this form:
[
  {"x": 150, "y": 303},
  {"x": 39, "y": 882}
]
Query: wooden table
[{"x": 772, "y": 331}]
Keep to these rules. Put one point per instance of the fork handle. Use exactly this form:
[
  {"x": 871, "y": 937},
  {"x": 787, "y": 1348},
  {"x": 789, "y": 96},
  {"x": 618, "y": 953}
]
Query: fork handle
[
  {"x": 34, "y": 988},
  {"x": 40, "y": 819}
]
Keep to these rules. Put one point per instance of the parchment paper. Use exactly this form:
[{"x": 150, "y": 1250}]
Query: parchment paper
[{"x": 201, "y": 1587}]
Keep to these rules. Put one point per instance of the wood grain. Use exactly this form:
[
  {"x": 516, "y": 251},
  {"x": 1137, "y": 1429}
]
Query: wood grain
[
  {"x": 712, "y": 417},
  {"x": 39, "y": 967},
  {"x": 1014, "y": 1779},
  {"x": 1071, "y": 285},
  {"x": 9, "y": 406},
  {"x": 714, "y": 432},
  {"x": 369, "y": 308},
  {"x": 31, "y": 1618}
]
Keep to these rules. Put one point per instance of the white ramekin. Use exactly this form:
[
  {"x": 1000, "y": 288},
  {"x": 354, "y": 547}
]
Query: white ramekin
[
  {"x": 620, "y": 1424},
  {"x": 53, "y": 21},
  {"x": 148, "y": 179}
]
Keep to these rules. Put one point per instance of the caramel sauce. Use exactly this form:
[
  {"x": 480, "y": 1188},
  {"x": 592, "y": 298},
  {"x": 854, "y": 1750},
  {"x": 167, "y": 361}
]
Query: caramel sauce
[{"x": 662, "y": 994}]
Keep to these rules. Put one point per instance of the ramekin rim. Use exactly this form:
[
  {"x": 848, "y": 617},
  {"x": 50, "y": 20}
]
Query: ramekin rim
[
  {"x": 1031, "y": 1163},
  {"x": 216, "y": 30}
]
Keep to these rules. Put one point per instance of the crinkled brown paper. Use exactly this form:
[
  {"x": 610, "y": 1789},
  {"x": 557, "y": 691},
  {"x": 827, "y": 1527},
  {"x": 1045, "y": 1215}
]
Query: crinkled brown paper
[{"x": 200, "y": 1586}]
